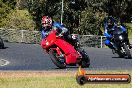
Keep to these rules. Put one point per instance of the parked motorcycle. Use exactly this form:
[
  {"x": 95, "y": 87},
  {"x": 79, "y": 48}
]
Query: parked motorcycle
[
  {"x": 1, "y": 43},
  {"x": 63, "y": 53},
  {"x": 120, "y": 42}
]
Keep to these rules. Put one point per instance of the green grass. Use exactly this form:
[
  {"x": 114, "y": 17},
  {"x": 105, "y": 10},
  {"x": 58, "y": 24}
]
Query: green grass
[
  {"x": 129, "y": 26},
  {"x": 65, "y": 80},
  {"x": 55, "y": 82}
]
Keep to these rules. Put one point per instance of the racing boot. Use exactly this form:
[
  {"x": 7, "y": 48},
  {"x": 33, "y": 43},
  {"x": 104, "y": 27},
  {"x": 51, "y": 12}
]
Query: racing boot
[{"x": 111, "y": 46}]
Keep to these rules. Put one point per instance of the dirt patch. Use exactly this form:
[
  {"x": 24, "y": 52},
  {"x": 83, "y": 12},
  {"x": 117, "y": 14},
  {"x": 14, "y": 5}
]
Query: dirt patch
[{"x": 18, "y": 74}]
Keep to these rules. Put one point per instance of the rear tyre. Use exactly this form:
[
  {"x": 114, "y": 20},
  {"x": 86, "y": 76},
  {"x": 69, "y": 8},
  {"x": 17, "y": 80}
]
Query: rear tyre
[
  {"x": 121, "y": 55},
  {"x": 127, "y": 52},
  {"x": 57, "y": 60},
  {"x": 85, "y": 62},
  {"x": 1, "y": 43}
]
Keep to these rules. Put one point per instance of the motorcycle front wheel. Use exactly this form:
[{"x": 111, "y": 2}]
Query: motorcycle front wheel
[{"x": 56, "y": 59}]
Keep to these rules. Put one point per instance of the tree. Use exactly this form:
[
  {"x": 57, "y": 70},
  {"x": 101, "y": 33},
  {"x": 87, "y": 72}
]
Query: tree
[
  {"x": 21, "y": 4},
  {"x": 121, "y": 9},
  {"x": 38, "y": 8},
  {"x": 5, "y": 8},
  {"x": 80, "y": 16},
  {"x": 19, "y": 19}
]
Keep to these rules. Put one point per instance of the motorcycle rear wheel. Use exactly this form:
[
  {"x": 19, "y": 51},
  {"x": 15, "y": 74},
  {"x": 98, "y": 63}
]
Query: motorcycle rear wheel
[
  {"x": 128, "y": 54},
  {"x": 85, "y": 62},
  {"x": 56, "y": 60},
  {"x": 121, "y": 55}
]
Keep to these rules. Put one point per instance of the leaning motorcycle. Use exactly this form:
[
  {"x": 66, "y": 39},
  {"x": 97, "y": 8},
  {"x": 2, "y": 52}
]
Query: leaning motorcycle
[
  {"x": 120, "y": 42},
  {"x": 63, "y": 53}
]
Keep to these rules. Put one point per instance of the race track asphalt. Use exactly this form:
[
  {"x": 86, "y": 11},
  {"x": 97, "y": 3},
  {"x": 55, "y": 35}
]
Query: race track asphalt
[{"x": 18, "y": 56}]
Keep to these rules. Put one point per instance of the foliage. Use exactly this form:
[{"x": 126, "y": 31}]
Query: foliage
[
  {"x": 79, "y": 16},
  {"x": 129, "y": 28},
  {"x": 21, "y": 4},
  {"x": 5, "y": 8},
  {"x": 19, "y": 19},
  {"x": 38, "y": 8},
  {"x": 121, "y": 9},
  {"x": 73, "y": 16}
]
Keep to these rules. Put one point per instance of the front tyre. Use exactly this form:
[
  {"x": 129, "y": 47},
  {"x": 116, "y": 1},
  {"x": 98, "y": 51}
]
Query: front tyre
[{"x": 56, "y": 59}]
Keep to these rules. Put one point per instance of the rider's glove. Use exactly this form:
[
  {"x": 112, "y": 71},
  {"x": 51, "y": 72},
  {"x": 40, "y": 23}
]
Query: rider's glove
[
  {"x": 110, "y": 36},
  {"x": 60, "y": 35}
]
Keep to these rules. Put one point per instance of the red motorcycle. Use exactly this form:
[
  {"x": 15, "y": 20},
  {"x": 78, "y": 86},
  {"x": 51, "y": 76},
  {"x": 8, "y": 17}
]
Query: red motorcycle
[{"x": 63, "y": 53}]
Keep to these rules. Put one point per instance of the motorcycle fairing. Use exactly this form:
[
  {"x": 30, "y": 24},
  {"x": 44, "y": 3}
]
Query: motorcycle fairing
[
  {"x": 49, "y": 41},
  {"x": 70, "y": 53}
]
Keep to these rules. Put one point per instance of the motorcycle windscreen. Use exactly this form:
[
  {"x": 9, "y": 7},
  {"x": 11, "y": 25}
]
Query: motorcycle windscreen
[
  {"x": 118, "y": 35},
  {"x": 117, "y": 32},
  {"x": 70, "y": 52}
]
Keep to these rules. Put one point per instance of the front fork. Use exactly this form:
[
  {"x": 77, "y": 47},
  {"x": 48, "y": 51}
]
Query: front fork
[
  {"x": 59, "y": 52},
  {"x": 59, "y": 55}
]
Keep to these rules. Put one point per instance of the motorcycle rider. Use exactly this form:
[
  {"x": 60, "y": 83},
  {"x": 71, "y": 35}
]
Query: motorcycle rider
[
  {"x": 110, "y": 25},
  {"x": 48, "y": 25}
]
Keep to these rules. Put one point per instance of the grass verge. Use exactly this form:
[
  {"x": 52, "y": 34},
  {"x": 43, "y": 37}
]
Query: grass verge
[
  {"x": 53, "y": 79},
  {"x": 129, "y": 27}
]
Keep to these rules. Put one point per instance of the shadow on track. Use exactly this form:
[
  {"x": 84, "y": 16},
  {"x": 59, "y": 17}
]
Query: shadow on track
[
  {"x": 4, "y": 48},
  {"x": 117, "y": 57}
]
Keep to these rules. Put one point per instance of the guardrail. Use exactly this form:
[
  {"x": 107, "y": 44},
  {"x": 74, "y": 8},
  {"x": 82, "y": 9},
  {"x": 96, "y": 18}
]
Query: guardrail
[
  {"x": 34, "y": 37},
  {"x": 92, "y": 41},
  {"x": 21, "y": 36}
]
